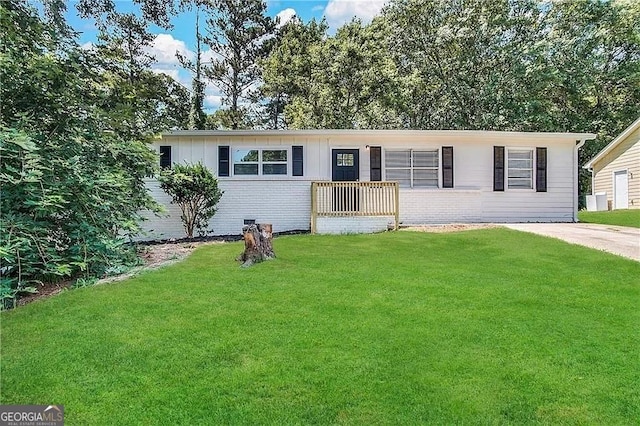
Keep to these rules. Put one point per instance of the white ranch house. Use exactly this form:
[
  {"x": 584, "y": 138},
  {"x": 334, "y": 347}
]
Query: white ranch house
[{"x": 342, "y": 181}]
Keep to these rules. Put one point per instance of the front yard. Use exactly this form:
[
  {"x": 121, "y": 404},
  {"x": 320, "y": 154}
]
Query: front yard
[{"x": 479, "y": 327}]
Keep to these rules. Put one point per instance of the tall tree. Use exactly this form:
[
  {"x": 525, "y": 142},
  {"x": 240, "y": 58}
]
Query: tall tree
[
  {"x": 138, "y": 97},
  {"x": 197, "y": 117},
  {"x": 157, "y": 12},
  {"x": 463, "y": 64},
  {"x": 236, "y": 33},
  {"x": 341, "y": 82},
  {"x": 290, "y": 68}
]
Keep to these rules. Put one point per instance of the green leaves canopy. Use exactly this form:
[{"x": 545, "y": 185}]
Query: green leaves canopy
[{"x": 73, "y": 167}]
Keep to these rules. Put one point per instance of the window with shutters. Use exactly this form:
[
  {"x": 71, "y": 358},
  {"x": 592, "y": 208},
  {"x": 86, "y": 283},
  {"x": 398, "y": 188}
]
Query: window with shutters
[
  {"x": 413, "y": 168},
  {"x": 520, "y": 168},
  {"x": 260, "y": 162}
]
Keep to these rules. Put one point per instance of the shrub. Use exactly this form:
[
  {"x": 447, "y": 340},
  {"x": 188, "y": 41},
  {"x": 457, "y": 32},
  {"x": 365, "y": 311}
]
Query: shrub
[{"x": 195, "y": 189}]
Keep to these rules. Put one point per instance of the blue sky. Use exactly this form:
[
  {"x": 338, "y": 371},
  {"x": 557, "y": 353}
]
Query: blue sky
[{"x": 182, "y": 37}]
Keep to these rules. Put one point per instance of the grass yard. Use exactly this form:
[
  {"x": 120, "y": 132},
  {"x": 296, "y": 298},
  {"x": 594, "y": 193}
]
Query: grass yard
[
  {"x": 630, "y": 217},
  {"x": 477, "y": 327}
]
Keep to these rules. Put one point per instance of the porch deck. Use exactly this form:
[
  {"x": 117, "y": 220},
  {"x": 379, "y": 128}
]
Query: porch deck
[{"x": 349, "y": 199}]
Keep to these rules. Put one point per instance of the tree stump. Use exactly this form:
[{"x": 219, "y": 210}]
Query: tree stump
[{"x": 257, "y": 244}]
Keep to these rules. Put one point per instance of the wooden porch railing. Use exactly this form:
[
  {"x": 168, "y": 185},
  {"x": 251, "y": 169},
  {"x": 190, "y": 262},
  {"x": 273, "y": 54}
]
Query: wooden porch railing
[{"x": 343, "y": 199}]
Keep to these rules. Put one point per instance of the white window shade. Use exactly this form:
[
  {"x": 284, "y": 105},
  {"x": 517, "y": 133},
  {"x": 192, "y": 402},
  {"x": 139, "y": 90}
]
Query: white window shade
[
  {"x": 413, "y": 169},
  {"x": 520, "y": 168}
]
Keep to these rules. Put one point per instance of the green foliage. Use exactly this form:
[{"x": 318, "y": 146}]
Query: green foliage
[
  {"x": 73, "y": 169},
  {"x": 63, "y": 214},
  {"x": 84, "y": 282},
  {"x": 138, "y": 101},
  {"x": 491, "y": 327},
  {"x": 195, "y": 190},
  {"x": 226, "y": 119},
  {"x": 289, "y": 70},
  {"x": 235, "y": 32},
  {"x": 197, "y": 117},
  {"x": 339, "y": 82}
]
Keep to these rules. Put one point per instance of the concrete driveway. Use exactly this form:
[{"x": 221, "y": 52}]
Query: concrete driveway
[{"x": 619, "y": 240}]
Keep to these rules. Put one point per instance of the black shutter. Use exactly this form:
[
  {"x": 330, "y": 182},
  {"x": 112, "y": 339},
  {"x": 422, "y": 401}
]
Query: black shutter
[
  {"x": 165, "y": 157},
  {"x": 447, "y": 167},
  {"x": 375, "y": 160},
  {"x": 541, "y": 169},
  {"x": 223, "y": 161},
  {"x": 298, "y": 160},
  {"x": 498, "y": 168}
]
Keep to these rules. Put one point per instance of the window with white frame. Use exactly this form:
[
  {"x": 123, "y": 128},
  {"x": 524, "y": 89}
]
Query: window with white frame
[
  {"x": 413, "y": 168},
  {"x": 520, "y": 168},
  {"x": 258, "y": 162}
]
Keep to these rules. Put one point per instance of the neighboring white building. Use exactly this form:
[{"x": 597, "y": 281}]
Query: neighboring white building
[
  {"x": 444, "y": 176},
  {"x": 616, "y": 170}
]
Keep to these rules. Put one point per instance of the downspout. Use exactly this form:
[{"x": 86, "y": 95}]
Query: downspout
[{"x": 576, "y": 178}]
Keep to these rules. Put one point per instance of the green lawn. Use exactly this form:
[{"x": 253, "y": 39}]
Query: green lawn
[
  {"x": 478, "y": 327},
  {"x": 629, "y": 217}
]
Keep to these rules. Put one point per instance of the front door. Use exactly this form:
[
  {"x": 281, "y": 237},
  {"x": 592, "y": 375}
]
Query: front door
[
  {"x": 621, "y": 190},
  {"x": 345, "y": 167}
]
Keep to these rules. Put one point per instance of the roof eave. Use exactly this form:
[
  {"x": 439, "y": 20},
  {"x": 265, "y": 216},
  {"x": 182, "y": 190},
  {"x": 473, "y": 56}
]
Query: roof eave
[
  {"x": 322, "y": 132},
  {"x": 622, "y": 136}
]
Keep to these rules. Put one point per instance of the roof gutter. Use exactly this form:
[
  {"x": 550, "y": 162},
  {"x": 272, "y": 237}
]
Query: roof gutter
[
  {"x": 370, "y": 132},
  {"x": 576, "y": 160}
]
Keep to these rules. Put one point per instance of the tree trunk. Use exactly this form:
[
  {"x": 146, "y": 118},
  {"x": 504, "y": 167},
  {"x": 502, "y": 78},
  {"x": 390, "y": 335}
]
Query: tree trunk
[{"x": 257, "y": 244}]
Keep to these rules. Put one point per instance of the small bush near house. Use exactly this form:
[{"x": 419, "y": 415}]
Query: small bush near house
[{"x": 195, "y": 189}]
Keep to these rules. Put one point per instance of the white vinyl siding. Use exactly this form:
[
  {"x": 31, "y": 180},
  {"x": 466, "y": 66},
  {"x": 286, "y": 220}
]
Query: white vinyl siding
[
  {"x": 413, "y": 168},
  {"x": 520, "y": 168},
  {"x": 626, "y": 155}
]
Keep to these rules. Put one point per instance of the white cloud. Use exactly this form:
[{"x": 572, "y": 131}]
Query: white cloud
[
  {"x": 285, "y": 16},
  {"x": 173, "y": 73},
  {"x": 339, "y": 12},
  {"x": 87, "y": 46},
  {"x": 212, "y": 101},
  {"x": 209, "y": 55},
  {"x": 180, "y": 75},
  {"x": 164, "y": 49}
]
